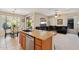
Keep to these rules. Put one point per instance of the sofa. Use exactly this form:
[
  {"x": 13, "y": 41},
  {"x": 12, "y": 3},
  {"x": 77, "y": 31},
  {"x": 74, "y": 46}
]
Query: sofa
[{"x": 59, "y": 29}]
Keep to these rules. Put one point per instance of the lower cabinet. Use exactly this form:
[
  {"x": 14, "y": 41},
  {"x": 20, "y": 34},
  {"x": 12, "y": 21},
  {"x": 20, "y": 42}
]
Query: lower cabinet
[
  {"x": 30, "y": 43},
  {"x": 38, "y": 47},
  {"x": 43, "y": 44},
  {"x": 23, "y": 40},
  {"x": 26, "y": 41}
]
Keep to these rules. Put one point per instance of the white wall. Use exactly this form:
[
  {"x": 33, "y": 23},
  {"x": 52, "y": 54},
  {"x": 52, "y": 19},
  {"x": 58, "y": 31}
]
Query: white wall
[
  {"x": 37, "y": 19},
  {"x": 53, "y": 20}
]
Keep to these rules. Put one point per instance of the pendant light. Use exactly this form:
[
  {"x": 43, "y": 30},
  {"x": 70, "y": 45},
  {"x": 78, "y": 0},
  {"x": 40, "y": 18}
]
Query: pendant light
[{"x": 57, "y": 13}]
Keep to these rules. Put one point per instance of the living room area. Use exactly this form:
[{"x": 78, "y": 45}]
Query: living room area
[{"x": 64, "y": 22}]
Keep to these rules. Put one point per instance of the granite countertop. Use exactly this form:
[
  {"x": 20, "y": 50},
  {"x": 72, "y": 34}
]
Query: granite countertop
[{"x": 41, "y": 34}]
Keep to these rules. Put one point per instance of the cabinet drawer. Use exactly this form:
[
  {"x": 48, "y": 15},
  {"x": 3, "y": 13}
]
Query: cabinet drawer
[
  {"x": 38, "y": 42},
  {"x": 37, "y": 47}
]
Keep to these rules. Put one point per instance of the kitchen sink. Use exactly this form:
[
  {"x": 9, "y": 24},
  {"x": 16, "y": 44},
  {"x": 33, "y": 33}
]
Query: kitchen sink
[{"x": 27, "y": 30}]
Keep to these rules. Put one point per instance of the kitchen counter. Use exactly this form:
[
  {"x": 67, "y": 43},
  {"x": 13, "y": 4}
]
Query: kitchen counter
[
  {"x": 42, "y": 39},
  {"x": 41, "y": 34}
]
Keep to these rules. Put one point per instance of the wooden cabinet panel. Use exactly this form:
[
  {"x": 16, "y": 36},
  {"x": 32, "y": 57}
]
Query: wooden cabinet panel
[
  {"x": 38, "y": 41},
  {"x": 47, "y": 44},
  {"x": 43, "y": 44},
  {"x": 24, "y": 43},
  {"x": 23, "y": 40},
  {"x": 38, "y": 47}
]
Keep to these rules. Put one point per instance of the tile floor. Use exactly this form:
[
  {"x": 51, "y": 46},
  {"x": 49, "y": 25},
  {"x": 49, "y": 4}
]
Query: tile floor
[
  {"x": 9, "y": 43},
  {"x": 62, "y": 42},
  {"x": 66, "y": 42}
]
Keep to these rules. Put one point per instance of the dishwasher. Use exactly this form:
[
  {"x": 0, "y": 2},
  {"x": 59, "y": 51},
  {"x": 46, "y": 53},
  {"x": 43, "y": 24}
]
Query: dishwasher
[{"x": 29, "y": 42}]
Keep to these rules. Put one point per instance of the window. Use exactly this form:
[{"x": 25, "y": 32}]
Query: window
[
  {"x": 13, "y": 20},
  {"x": 29, "y": 22}
]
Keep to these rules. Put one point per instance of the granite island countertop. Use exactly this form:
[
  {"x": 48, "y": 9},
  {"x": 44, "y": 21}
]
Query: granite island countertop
[{"x": 40, "y": 34}]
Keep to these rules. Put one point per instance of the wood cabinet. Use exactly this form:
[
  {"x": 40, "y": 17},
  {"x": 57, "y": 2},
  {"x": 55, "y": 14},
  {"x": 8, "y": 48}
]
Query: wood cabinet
[
  {"x": 23, "y": 40},
  {"x": 43, "y": 44},
  {"x": 40, "y": 42}
]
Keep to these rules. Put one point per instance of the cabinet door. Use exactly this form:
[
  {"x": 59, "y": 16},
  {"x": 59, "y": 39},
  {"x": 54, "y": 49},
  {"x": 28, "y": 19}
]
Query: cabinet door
[
  {"x": 23, "y": 44},
  {"x": 38, "y": 44},
  {"x": 38, "y": 47},
  {"x": 23, "y": 40},
  {"x": 47, "y": 44}
]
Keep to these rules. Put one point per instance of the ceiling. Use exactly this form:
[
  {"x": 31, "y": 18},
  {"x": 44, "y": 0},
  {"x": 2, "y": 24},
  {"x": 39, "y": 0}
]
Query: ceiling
[{"x": 45, "y": 11}]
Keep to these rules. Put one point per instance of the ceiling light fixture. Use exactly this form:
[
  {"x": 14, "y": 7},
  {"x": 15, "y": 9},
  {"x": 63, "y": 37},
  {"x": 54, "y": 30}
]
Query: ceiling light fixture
[{"x": 57, "y": 13}]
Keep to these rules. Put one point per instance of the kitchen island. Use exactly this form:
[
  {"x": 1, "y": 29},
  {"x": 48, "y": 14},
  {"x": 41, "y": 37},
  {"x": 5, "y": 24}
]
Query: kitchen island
[{"x": 43, "y": 40}]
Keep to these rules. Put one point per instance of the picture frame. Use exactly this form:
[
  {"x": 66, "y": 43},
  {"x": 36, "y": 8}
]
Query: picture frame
[{"x": 59, "y": 21}]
